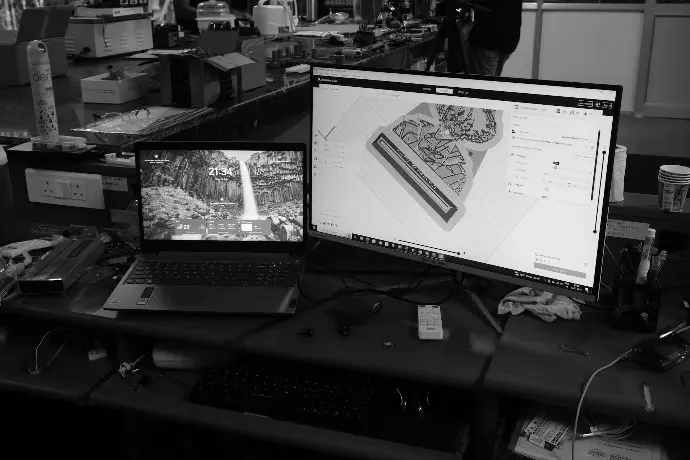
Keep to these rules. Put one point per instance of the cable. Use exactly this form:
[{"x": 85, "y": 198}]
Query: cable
[
  {"x": 608, "y": 431},
  {"x": 584, "y": 392},
  {"x": 126, "y": 367},
  {"x": 36, "y": 370},
  {"x": 606, "y": 246}
]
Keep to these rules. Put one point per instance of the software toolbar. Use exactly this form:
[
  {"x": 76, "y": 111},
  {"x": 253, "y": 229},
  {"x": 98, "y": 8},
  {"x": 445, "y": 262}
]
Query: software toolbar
[{"x": 552, "y": 158}]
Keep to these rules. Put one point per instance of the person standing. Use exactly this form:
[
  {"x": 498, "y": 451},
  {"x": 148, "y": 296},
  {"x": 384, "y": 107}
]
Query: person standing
[{"x": 494, "y": 36}]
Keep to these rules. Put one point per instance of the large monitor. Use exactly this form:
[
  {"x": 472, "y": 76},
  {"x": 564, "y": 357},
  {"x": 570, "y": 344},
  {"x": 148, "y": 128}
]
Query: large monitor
[{"x": 497, "y": 177}]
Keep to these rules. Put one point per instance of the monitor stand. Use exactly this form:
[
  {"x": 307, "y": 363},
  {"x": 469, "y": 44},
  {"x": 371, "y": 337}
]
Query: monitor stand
[{"x": 386, "y": 284}]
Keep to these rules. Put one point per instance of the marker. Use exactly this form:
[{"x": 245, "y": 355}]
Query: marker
[{"x": 643, "y": 268}]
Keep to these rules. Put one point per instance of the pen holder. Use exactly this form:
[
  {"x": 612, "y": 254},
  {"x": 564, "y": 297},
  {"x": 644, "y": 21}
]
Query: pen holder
[{"x": 636, "y": 306}]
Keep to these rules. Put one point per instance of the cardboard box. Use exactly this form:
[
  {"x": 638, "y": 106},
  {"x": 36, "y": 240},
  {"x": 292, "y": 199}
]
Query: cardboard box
[
  {"x": 218, "y": 41},
  {"x": 97, "y": 90},
  {"x": 187, "y": 81},
  {"x": 46, "y": 24},
  {"x": 253, "y": 75}
]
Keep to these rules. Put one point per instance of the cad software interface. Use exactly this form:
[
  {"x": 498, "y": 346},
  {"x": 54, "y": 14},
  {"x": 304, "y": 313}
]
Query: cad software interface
[
  {"x": 225, "y": 195},
  {"x": 506, "y": 177}
]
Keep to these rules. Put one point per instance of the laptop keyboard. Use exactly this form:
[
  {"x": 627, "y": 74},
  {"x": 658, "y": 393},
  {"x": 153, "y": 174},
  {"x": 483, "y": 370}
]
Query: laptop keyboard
[{"x": 235, "y": 273}]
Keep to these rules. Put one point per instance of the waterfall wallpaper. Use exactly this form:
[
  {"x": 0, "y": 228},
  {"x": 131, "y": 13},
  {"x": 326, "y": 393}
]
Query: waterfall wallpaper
[{"x": 222, "y": 195}]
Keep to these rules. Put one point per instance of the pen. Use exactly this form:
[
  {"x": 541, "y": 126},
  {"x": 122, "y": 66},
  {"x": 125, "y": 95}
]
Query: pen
[
  {"x": 627, "y": 261},
  {"x": 651, "y": 277},
  {"x": 662, "y": 258}
]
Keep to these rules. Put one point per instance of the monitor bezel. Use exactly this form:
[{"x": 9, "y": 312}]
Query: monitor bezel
[
  {"x": 155, "y": 246},
  {"x": 466, "y": 268}
]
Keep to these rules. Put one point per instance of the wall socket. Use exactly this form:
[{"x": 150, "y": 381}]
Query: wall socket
[{"x": 65, "y": 188}]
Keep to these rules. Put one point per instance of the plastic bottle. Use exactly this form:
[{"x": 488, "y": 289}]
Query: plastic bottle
[
  {"x": 645, "y": 257},
  {"x": 42, "y": 89},
  {"x": 6, "y": 201}
]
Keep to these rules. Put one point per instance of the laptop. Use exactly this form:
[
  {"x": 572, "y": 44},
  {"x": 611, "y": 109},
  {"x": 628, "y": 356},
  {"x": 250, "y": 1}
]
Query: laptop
[{"x": 222, "y": 227}]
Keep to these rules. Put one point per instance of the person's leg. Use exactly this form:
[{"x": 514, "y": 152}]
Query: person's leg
[
  {"x": 504, "y": 57},
  {"x": 483, "y": 61}
]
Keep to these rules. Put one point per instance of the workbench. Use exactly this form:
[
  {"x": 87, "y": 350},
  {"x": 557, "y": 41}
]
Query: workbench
[{"x": 281, "y": 103}]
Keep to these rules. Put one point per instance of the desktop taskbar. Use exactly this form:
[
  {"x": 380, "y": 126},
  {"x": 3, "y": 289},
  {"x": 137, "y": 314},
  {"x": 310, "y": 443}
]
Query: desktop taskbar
[{"x": 435, "y": 256}]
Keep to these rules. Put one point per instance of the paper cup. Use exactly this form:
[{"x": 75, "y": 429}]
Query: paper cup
[
  {"x": 671, "y": 196},
  {"x": 618, "y": 178},
  {"x": 673, "y": 181},
  {"x": 675, "y": 170}
]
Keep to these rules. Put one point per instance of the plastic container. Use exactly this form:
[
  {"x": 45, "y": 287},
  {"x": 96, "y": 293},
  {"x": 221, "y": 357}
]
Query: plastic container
[
  {"x": 208, "y": 12},
  {"x": 618, "y": 180}
]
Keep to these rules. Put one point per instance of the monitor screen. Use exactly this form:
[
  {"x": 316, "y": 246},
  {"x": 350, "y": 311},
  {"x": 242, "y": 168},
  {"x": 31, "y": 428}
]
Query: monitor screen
[
  {"x": 502, "y": 178},
  {"x": 222, "y": 195}
]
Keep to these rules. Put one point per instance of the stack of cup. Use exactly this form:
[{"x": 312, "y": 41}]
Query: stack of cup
[{"x": 674, "y": 182}]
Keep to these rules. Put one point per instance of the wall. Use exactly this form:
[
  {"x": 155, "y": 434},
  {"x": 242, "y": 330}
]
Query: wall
[
  {"x": 592, "y": 47},
  {"x": 669, "y": 69}
]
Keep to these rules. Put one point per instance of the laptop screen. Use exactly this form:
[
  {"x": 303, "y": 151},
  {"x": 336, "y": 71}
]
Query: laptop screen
[{"x": 222, "y": 195}]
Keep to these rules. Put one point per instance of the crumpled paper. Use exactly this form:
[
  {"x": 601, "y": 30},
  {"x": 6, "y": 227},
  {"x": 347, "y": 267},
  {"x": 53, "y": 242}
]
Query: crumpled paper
[{"x": 544, "y": 304}]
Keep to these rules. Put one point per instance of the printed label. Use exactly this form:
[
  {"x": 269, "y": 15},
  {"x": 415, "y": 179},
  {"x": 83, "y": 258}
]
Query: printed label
[
  {"x": 625, "y": 229},
  {"x": 117, "y": 184}
]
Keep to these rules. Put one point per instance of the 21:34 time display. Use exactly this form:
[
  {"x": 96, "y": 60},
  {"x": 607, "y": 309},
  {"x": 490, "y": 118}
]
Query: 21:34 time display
[{"x": 219, "y": 172}]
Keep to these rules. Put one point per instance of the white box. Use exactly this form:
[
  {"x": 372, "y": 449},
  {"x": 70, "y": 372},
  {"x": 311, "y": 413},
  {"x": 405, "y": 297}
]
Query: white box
[
  {"x": 100, "y": 91},
  {"x": 108, "y": 36}
]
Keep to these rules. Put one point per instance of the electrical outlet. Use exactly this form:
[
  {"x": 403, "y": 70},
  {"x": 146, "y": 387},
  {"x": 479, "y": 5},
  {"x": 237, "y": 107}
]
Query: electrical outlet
[
  {"x": 47, "y": 187},
  {"x": 78, "y": 190},
  {"x": 75, "y": 189}
]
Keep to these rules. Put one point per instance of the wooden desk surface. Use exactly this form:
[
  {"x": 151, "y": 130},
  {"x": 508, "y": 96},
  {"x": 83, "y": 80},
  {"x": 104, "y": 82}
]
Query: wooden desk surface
[
  {"x": 530, "y": 365},
  {"x": 460, "y": 360},
  {"x": 70, "y": 378},
  {"x": 166, "y": 398}
]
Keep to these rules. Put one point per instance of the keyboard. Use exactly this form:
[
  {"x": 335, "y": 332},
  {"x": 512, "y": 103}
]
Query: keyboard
[
  {"x": 214, "y": 273},
  {"x": 303, "y": 395}
]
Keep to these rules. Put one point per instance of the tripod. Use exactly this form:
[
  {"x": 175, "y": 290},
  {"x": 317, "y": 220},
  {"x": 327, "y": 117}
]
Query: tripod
[{"x": 457, "y": 14}]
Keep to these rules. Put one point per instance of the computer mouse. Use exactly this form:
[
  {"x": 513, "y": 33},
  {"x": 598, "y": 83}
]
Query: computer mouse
[{"x": 344, "y": 329}]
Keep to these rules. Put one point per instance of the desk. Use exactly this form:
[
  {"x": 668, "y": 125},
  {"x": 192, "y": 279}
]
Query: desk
[
  {"x": 282, "y": 97},
  {"x": 69, "y": 380},
  {"x": 458, "y": 362},
  {"x": 165, "y": 399},
  {"x": 528, "y": 364}
]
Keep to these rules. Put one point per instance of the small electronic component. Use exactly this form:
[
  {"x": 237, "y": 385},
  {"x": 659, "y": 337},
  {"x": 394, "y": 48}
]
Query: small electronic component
[
  {"x": 59, "y": 143},
  {"x": 430, "y": 326},
  {"x": 352, "y": 53}
]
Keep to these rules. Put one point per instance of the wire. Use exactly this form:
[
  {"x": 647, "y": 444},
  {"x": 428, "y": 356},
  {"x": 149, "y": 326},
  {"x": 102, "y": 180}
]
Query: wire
[
  {"x": 584, "y": 392},
  {"x": 126, "y": 367},
  {"x": 36, "y": 370},
  {"x": 608, "y": 431}
]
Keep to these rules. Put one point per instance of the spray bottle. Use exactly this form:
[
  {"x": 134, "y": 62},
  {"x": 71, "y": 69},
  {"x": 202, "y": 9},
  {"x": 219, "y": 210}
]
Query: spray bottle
[{"x": 42, "y": 89}]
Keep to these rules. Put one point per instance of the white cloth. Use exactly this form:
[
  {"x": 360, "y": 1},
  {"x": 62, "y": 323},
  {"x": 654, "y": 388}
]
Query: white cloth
[{"x": 544, "y": 304}]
